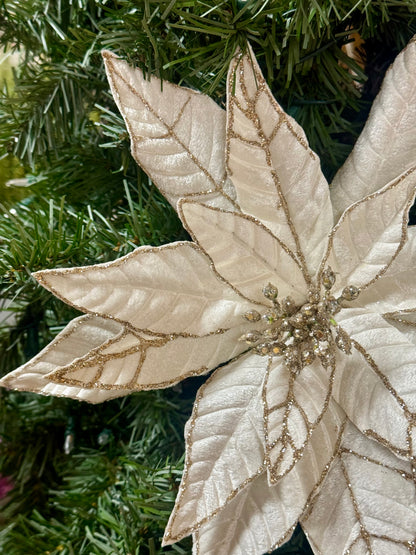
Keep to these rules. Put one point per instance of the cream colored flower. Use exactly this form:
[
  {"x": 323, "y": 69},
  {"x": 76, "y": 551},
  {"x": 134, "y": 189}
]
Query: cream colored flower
[{"x": 310, "y": 303}]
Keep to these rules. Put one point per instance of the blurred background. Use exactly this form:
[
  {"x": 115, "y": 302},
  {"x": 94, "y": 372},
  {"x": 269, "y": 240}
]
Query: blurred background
[{"x": 77, "y": 479}]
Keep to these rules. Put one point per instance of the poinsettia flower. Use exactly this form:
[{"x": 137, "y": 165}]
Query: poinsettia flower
[{"x": 303, "y": 307}]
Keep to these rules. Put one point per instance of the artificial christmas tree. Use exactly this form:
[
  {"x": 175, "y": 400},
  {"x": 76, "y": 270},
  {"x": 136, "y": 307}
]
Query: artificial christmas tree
[{"x": 63, "y": 128}]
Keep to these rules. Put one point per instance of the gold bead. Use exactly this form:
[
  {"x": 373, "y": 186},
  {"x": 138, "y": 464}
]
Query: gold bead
[
  {"x": 277, "y": 349},
  {"x": 270, "y": 316},
  {"x": 332, "y": 305},
  {"x": 321, "y": 350},
  {"x": 291, "y": 354},
  {"x": 270, "y": 333},
  {"x": 288, "y": 306},
  {"x": 297, "y": 320},
  {"x": 263, "y": 349},
  {"x": 313, "y": 296},
  {"x": 308, "y": 309},
  {"x": 307, "y": 356},
  {"x": 299, "y": 333},
  {"x": 328, "y": 278},
  {"x": 252, "y": 315},
  {"x": 270, "y": 291},
  {"x": 319, "y": 333},
  {"x": 350, "y": 293},
  {"x": 250, "y": 337}
]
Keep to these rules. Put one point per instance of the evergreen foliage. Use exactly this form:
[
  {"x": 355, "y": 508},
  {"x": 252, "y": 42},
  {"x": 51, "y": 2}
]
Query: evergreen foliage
[{"x": 85, "y": 201}]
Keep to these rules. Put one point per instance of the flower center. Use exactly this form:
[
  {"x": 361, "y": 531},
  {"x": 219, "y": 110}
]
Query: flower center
[{"x": 301, "y": 333}]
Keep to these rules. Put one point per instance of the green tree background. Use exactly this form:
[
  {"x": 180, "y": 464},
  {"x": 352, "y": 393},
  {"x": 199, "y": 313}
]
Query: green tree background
[{"x": 102, "y": 479}]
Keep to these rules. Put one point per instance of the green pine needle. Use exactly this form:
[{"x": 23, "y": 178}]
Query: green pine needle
[{"x": 85, "y": 201}]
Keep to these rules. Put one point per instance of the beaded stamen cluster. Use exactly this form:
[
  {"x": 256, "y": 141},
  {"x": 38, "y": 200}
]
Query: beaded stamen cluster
[{"x": 302, "y": 333}]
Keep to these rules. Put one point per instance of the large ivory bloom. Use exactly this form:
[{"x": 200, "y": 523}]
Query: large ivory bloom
[{"x": 307, "y": 295}]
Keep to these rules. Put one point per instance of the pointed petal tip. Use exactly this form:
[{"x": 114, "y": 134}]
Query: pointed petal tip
[
  {"x": 3, "y": 382},
  {"x": 167, "y": 540},
  {"x": 12, "y": 383},
  {"x": 237, "y": 51},
  {"x": 38, "y": 275},
  {"x": 41, "y": 277},
  {"x": 108, "y": 55},
  {"x": 243, "y": 50}
]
